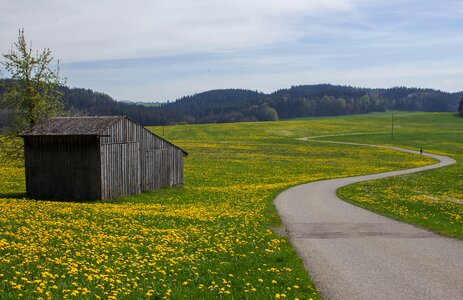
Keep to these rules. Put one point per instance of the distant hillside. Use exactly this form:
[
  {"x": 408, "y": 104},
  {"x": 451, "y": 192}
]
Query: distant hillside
[
  {"x": 237, "y": 105},
  {"x": 143, "y": 103},
  {"x": 78, "y": 101}
]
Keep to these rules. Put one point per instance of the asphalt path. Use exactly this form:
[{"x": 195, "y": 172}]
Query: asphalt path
[{"x": 352, "y": 253}]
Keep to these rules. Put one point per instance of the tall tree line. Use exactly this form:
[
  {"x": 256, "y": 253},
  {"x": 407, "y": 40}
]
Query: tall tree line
[{"x": 237, "y": 105}]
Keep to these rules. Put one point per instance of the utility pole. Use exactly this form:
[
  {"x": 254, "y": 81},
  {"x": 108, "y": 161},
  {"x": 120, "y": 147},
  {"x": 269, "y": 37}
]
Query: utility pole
[{"x": 392, "y": 128}]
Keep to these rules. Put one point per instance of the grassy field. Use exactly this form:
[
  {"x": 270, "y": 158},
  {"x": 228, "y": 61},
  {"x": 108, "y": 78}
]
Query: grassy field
[
  {"x": 213, "y": 238},
  {"x": 431, "y": 199}
]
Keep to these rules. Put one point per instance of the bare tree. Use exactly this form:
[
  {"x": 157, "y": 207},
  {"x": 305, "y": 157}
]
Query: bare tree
[{"x": 32, "y": 92}]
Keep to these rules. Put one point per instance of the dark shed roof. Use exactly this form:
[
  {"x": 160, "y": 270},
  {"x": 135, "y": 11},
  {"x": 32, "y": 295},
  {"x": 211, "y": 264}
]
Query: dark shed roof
[{"x": 72, "y": 126}]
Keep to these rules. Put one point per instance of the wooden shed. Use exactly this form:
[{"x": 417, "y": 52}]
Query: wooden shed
[{"x": 97, "y": 158}]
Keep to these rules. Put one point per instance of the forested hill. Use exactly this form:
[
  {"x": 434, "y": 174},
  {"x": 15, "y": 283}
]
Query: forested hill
[{"x": 236, "y": 105}]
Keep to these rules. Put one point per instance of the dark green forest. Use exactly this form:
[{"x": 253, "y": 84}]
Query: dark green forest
[{"x": 237, "y": 105}]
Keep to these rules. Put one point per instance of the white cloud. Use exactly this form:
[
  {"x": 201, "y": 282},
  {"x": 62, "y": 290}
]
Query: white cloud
[
  {"x": 112, "y": 29},
  {"x": 159, "y": 50}
]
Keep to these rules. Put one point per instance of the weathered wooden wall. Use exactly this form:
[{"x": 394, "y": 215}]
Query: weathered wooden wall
[
  {"x": 62, "y": 167},
  {"x": 120, "y": 170},
  {"x": 160, "y": 164}
]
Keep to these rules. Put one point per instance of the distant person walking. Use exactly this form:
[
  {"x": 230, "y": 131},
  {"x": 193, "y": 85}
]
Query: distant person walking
[{"x": 421, "y": 151}]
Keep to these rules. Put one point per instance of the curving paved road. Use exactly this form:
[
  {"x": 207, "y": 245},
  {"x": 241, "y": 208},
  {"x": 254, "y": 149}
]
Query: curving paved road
[{"x": 352, "y": 253}]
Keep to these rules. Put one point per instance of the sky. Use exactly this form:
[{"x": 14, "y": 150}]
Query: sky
[{"x": 153, "y": 50}]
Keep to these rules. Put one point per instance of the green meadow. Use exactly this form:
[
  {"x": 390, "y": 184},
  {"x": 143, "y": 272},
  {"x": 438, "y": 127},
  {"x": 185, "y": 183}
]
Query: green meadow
[
  {"x": 218, "y": 236},
  {"x": 431, "y": 199}
]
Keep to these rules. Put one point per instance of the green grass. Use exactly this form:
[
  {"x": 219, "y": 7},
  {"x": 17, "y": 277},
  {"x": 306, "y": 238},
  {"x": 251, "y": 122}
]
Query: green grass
[
  {"x": 431, "y": 199},
  {"x": 210, "y": 239}
]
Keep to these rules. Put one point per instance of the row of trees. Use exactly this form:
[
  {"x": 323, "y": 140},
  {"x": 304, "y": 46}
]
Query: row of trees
[
  {"x": 233, "y": 105},
  {"x": 302, "y": 101}
]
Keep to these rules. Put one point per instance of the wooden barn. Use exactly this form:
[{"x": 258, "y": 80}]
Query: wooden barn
[{"x": 97, "y": 158}]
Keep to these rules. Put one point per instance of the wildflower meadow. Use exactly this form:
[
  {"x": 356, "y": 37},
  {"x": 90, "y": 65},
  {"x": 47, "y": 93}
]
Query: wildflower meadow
[{"x": 218, "y": 236}]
